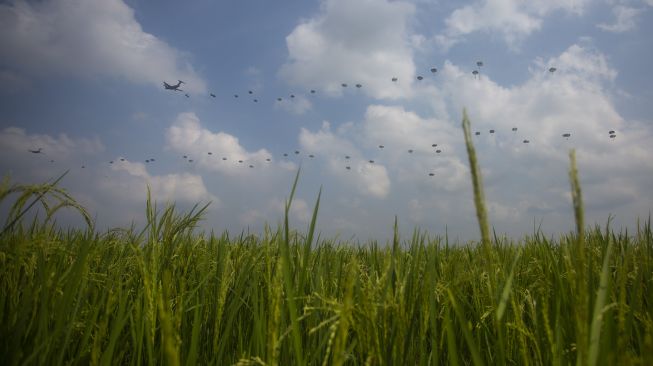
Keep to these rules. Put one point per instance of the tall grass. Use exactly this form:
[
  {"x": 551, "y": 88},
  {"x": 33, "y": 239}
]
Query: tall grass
[
  {"x": 168, "y": 294},
  {"x": 477, "y": 183}
]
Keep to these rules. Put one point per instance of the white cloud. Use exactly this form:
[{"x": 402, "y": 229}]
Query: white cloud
[
  {"x": 15, "y": 144},
  {"x": 514, "y": 20},
  {"x": 574, "y": 99},
  {"x": 545, "y": 105},
  {"x": 183, "y": 187},
  {"x": 89, "y": 38},
  {"x": 297, "y": 105},
  {"x": 523, "y": 181},
  {"x": 625, "y": 19},
  {"x": 275, "y": 208},
  {"x": 116, "y": 192},
  {"x": 370, "y": 179},
  {"x": 362, "y": 41},
  {"x": 187, "y": 136},
  {"x": 299, "y": 209},
  {"x": 580, "y": 62},
  {"x": 399, "y": 131}
]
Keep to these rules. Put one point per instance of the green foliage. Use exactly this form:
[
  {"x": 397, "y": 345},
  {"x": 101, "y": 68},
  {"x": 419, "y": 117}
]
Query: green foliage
[
  {"x": 168, "y": 294},
  {"x": 48, "y": 195},
  {"x": 174, "y": 296}
]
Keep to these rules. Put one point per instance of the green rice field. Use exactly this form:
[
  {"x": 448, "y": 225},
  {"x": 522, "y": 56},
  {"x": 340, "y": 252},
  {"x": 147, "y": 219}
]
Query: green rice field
[{"x": 169, "y": 294}]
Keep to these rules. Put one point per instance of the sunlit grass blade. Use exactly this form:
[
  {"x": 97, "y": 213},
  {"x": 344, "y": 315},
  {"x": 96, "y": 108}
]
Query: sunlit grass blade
[
  {"x": 507, "y": 287},
  {"x": 599, "y": 305},
  {"x": 469, "y": 339},
  {"x": 452, "y": 348},
  {"x": 289, "y": 286}
]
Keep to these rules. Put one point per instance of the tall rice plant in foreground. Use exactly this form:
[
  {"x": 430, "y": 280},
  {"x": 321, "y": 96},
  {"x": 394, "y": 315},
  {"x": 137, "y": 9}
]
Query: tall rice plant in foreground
[{"x": 168, "y": 294}]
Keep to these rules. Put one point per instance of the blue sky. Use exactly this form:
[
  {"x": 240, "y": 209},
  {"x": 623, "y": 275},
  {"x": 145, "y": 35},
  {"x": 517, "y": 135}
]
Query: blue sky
[{"x": 83, "y": 81}]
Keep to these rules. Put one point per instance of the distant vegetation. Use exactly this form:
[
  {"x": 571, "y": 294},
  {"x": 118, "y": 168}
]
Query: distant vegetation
[{"x": 167, "y": 294}]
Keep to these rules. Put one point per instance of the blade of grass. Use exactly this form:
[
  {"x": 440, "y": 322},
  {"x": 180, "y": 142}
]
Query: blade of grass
[
  {"x": 36, "y": 199},
  {"x": 286, "y": 264},
  {"x": 471, "y": 344},
  {"x": 599, "y": 304},
  {"x": 507, "y": 288}
]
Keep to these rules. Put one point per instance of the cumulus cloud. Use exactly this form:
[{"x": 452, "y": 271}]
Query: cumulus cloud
[
  {"x": 183, "y": 187},
  {"x": 15, "y": 144},
  {"x": 17, "y": 140},
  {"x": 250, "y": 196},
  {"x": 88, "y": 39},
  {"x": 397, "y": 176},
  {"x": 275, "y": 207},
  {"x": 546, "y": 105},
  {"x": 514, "y": 20},
  {"x": 115, "y": 192},
  {"x": 581, "y": 62},
  {"x": 523, "y": 181},
  {"x": 575, "y": 99},
  {"x": 363, "y": 41},
  {"x": 187, "y": 136},
  {"x": 405, "y": 131},
  {"x": 625, "y": 19},
  {"x": 369, "y": 179}
]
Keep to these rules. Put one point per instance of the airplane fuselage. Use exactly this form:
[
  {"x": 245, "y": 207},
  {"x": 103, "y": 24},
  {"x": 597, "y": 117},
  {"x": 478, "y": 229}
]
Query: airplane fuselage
[{"x": 173, "y": 87}]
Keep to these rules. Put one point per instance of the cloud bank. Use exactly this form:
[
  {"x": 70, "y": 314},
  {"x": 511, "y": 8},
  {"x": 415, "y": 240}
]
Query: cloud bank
[
  {"x": 366, "y": 42},
  {"x": 89, "y": 39},
  {"x": 513, "y": 20}
]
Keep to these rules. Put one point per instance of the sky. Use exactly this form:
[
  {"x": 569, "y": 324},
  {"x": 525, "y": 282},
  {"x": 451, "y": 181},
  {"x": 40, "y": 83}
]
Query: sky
[{"x": 82, "y": 80}]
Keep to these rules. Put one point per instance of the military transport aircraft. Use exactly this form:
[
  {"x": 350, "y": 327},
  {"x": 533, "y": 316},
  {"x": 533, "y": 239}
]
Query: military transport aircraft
[{"x": 173, "y": 87}]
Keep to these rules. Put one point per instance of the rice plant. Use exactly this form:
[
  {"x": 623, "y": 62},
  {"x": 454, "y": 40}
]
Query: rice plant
[{"x": 170, "y": 294}]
